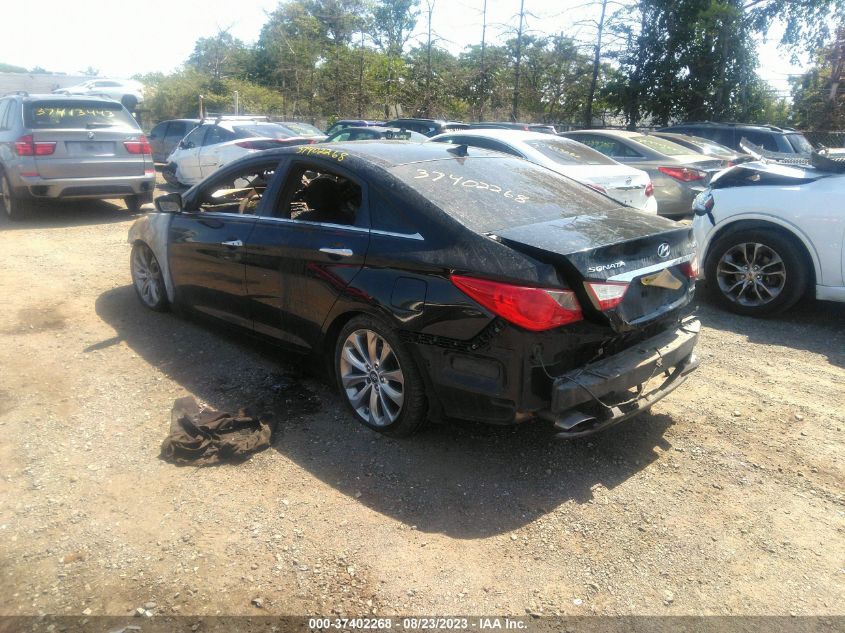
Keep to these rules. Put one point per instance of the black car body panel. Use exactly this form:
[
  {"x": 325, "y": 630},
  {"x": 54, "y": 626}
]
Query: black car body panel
[{"x": 425, "y": 214}]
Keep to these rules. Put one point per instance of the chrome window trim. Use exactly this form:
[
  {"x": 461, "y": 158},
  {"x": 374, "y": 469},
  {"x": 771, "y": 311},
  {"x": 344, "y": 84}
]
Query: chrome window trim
[
  {"x": 345, "y": 227},
  {"x": 631, "y": 274}
]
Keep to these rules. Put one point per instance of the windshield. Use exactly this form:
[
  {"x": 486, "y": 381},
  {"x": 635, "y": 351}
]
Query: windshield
[
  {"x": 75, "y": 114},
  {"x": 661, "y": 145},
  {"x": 261, "y": 130},
  {"x": 569, "y": 152},
  {"x": 302, "y": 129},
  {"x": 491, "y": 193},
  {"x": 799, "y": 143}
]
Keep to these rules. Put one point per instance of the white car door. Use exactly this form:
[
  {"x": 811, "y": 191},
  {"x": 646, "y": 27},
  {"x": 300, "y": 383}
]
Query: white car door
[
  {"x": 210, "y": 158},
  {"x": 187, "y": 156}
]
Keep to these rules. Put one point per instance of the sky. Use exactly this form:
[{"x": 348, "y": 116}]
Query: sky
[{"x": 121, "y": 38}]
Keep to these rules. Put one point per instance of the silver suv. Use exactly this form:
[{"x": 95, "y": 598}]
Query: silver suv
[{"x": 59, "y": 147}]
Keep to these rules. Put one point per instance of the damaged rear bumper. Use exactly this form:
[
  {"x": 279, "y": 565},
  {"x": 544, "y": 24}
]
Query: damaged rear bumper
[{"x": 600, "y": 384}]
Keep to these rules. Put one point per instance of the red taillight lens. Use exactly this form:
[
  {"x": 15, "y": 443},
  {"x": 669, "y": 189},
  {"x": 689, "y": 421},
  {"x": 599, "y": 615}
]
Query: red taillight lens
[
  {"x": 141, "y": 146},
  {"x": 596, "y": 187},
  {"x": 690, "y": 268},
  {"x": 534, "y": 309},
  {"x": 607, "y": 294},
  {"x": 684, "y": 174},
  {"x": 252, "y": 144},
  {"x": 26, "y": 146},
  {"x": 649, "y": 190}
]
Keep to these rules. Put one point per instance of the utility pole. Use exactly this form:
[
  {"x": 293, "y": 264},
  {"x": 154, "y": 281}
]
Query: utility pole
[
  {"x": 427, "y": 105},
  {"x": 361, "y": 78},
  {"x": 515, "y": 109},
  {"x": 588, "y": 108},
  {"x": 483, "y": 86}
]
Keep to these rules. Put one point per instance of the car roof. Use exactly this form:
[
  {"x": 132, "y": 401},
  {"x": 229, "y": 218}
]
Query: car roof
[
  {"x": 380, "y": 152},
  {"x": 612, "y": 133},
  {"x": 730, "y": 124},
  {"x": 500, "y": 134}
]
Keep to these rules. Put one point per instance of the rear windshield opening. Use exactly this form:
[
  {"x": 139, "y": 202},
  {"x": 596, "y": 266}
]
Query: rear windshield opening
[{"x": 75, "y": 114}]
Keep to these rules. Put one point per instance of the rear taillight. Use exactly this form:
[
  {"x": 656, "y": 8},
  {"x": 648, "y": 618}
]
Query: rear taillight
[
  {"x": 596, "y": 187},
  {"x": 684, "y": 174},
  {"x": 649, "y": 190},
  {"x": 690, "y": 268},
  {"x": 607, "y": 294},
  {"x": 252, "y": 144},
  {"x": 534, "y": 309},
  {"x": 141, "y": 146},
  {"x": 26, "y": 146}
]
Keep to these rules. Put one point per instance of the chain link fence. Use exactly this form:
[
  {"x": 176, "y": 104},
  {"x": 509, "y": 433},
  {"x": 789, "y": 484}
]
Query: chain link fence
[{"x": 827, "y": 139}]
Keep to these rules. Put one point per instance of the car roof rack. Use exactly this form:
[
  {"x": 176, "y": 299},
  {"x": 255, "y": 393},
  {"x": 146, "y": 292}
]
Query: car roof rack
[{"x": 217, "y": 118}]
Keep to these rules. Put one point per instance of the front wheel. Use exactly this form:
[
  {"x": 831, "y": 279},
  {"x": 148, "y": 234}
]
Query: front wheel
[
  {"x": 756, "y": 272},
  {"x": 148, "y": 278},
  {"x": 378, "y": 378}
]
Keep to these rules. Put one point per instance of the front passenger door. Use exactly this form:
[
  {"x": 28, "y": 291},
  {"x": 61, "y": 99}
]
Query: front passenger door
[{"x": 208, "y": 242}]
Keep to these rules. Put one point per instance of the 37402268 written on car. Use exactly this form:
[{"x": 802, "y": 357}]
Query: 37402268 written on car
[{"x": 438, "y": 282}]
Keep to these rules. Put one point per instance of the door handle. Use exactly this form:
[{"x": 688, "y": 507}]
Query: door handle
[
  {"x": 339, "y": 252},
  {"x": 233, "y": 243}
]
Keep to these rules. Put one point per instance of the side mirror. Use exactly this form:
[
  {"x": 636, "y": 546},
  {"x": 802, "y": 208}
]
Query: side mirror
[{"x": 171, "y": 203}]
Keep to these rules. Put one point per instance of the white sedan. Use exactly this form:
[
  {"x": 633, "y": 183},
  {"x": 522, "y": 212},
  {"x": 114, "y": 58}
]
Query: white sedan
[
  {"x": 767, "y": 233},
  {"x": 128, "y": 91},
  {"x": 628, "y": 185},
  {"x": 209, "y": 146}
]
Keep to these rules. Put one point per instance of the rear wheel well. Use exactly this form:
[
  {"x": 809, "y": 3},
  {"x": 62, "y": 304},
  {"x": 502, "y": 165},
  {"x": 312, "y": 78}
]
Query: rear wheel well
[
  {"x": 330, "y": 339},
  {"x": 742, "y": 225}
]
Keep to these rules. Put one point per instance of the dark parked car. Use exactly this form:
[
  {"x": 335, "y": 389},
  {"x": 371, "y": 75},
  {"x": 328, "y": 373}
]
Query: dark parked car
[
  {"x": 769, "y": 137},
  {"x": 344, "y": 123},
  {"x": 56, "y": 147},
  {"x": 374, "y": 132},
  {"x": 436, "y": 281},
  {"x": 427, "y": 127},
  {"x": 165, "y": 136},
  {"x": 507, "y": 125}
]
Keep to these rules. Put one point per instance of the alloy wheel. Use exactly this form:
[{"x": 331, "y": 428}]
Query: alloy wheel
[
  {"x": 751, "y": 274},
  {"x": 372, "y": 377},
  {"x": 146, "y": 274}
]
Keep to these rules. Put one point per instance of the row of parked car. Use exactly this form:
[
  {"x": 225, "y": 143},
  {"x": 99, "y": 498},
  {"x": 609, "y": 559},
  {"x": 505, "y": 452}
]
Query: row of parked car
[{"x": 81, "y": 146}]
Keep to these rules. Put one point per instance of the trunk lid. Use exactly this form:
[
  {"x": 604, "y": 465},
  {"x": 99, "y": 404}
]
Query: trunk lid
[
  {"x": 622, "y": 183},
  {"x": 649, "y": 254}
]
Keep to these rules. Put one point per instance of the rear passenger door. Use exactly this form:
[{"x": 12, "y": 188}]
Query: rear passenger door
[{"x": 301, "y": 258}]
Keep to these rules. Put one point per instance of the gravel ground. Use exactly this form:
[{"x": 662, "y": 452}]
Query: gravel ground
[{"x": 726, "y": 499}]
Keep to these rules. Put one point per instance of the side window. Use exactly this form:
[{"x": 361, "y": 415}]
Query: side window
[
  {"x": 361, "y": 135},
  {"x": 4, "y": 112},
  {"x": 156, "y": 133},
  {"x": 217, "y": 134},
  {"x": 386, "y": 215},
  {"x": 620, "y": 150},
  {"x": 194, "y": 139},
  {"x": 603, "y": 145},
  {"x": 766, "y": 141},
  {"x": 239, "y": 192},
  {"x": 343, "y": 136},
  {"x": 175, "y": 132},
  {"x": 314, "y": 194}
]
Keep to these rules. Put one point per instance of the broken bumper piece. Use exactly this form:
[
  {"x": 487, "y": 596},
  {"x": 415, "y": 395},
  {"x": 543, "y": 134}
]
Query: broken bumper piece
[{"x": 603, "y": 389}]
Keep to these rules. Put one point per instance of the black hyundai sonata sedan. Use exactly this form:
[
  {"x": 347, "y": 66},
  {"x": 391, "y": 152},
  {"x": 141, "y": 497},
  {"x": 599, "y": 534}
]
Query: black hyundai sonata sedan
[{"x": 438, "y": 281}]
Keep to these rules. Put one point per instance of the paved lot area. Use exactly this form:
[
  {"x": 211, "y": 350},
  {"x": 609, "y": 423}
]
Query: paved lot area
[{"x": 726, "y": 499}]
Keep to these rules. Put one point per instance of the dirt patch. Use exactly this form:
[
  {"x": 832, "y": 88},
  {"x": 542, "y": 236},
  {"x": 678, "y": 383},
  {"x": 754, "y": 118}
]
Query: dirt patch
[{"x": 40, "y": 319}]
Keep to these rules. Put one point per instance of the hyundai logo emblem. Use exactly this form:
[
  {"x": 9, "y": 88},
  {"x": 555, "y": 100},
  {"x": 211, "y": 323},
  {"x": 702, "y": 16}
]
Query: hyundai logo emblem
[
  {"x": 663, "y": 250},
  {"x": 90, "y": 135}
]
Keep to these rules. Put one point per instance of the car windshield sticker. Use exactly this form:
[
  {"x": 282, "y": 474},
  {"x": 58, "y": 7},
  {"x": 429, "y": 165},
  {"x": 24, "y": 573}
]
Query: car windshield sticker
[
  {"x": 459, "y": 181},
  {"x": 322, "y": 151}
]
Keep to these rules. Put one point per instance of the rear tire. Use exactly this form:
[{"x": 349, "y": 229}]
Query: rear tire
[
  {"x": 13, "y": 207},
  {"x": 756, "y": 272},
  {"x": 378, "y": 378},
  {"x": 168, "y": 172},
  {"x": 134, "y": 203}
]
